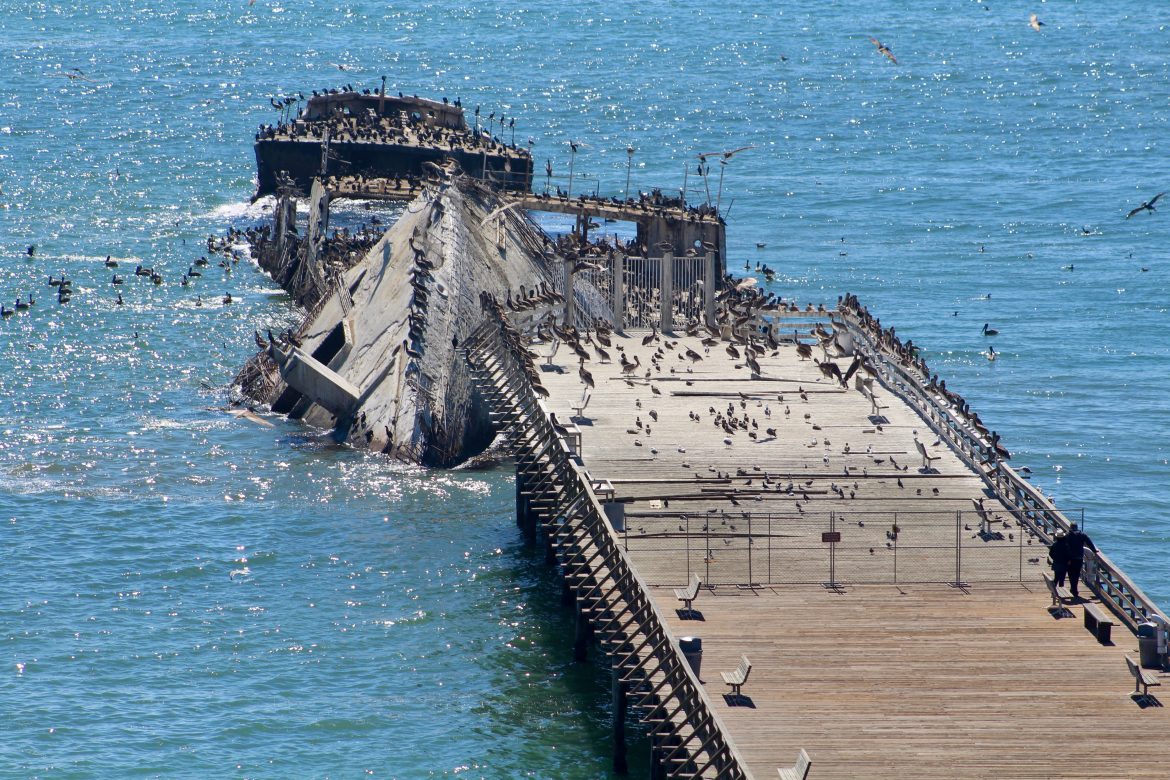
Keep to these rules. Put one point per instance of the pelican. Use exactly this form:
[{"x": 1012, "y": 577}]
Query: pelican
[
  {"x": 586, "y": 377},
  {"x": 987, "y": 331},
  {"x": 1147, "y": 206},
  {"x": 881, "y": 47},
  {"x": 1035, "y": 23}
]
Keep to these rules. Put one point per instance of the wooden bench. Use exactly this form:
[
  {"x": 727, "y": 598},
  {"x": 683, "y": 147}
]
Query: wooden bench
[
  {"x": 579, "y": 407},
  {"x": 927, "y": 458},
  {"x": 1098, "y": 622},
  {"x": 1142, "y": 680},
  {"x": 739, "y": 677},
  {"x": 875, "y": 407},
  {"x": 1059, "y": 594},
  {"x": 687, "y": 595},
  {"x": 799, "y": 770}
]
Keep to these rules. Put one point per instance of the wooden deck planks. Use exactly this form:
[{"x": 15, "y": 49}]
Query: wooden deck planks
[
  {"x": 925, "y": 682},
  {"x": 875, "y": 681}
]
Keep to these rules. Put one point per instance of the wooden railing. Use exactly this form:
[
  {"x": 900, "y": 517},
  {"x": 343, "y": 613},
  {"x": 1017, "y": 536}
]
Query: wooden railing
[
  {"x": 1029, "y": 505},
  {"x": 688, "y": 738}
]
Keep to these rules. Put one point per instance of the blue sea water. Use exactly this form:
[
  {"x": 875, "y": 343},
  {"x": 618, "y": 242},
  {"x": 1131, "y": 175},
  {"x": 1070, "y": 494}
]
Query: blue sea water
[{"x": 186, "y": 594}]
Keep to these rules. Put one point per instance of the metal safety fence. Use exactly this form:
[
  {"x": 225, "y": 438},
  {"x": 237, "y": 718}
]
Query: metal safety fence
[{"x": 835, "y": 548}]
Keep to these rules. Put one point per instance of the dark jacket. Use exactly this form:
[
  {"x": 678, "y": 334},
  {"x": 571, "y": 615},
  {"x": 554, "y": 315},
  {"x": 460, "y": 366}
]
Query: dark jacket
[
  {"x": 1059, "y": 552},
  {"x": 1076, "y": 542}
]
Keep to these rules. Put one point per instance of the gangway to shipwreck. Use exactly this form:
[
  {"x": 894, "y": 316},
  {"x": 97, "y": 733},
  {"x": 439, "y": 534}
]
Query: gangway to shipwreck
[{"x": 863, "y": 542}]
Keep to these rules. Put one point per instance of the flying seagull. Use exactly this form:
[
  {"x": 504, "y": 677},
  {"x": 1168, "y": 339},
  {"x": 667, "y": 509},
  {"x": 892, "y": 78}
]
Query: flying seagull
[
  {"x": 1035, "y": 23},
  {"x": 1147, "y": 206}
]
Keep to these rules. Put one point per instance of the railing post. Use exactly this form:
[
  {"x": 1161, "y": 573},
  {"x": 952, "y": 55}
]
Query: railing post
[
  {"x": 666, "y": 275},
  {"x": 620, "y": 693},
  {"x": 618, "y": 291},
  {"x": 709, "y": 282},
  {"x": 570, "y": 304}
]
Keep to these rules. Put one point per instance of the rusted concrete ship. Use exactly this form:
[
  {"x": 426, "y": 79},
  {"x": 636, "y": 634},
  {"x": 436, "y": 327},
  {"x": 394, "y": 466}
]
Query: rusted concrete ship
[
  {"x": 372, "y": 134},
  {"x": 377, "y": 357}
]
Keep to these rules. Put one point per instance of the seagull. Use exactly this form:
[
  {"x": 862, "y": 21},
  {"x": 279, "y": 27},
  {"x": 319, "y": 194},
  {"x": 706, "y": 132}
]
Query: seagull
[
  {"x": 1035, "y": 23},
  {"x": 1147, "y": 206},
  {"x": 881, "y": 47}
]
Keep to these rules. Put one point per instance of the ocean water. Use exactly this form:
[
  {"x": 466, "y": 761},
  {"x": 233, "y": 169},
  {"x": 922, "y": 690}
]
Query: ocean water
[{"x": 187, "y": 594}]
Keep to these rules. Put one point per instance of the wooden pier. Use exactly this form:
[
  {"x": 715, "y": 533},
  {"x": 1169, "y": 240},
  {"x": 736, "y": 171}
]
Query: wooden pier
[{"x": 863, "y": 543}]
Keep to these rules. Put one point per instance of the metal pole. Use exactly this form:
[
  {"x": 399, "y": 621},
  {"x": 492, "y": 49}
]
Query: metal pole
[
  {"x": 832, "y": 550},
  {"x": 958, "y": 547},
  {"x": 1021, "y": 546},
  {"x": 769, "y": 548},
  {"x": 572, "y": 159},
  {"x": 629, "y": 164},
  {"x": 707, "y": 557},
  {"x": 719, "y": 197},
  {"x": 895, "y": 550},
  {"x": 749, "y": 549}
]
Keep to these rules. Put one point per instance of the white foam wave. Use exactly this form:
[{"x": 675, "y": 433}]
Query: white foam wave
[{"x": 241, "y": 210}]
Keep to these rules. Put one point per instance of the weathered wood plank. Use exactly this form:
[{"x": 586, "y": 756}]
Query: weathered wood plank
[{"x": 882, "y": 680}]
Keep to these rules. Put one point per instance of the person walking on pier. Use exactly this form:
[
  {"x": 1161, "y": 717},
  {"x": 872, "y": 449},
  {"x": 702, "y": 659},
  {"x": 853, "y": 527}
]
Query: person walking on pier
[
  {"x": 1058, "y": 558},
  {"x": 1076, "y": 542}
]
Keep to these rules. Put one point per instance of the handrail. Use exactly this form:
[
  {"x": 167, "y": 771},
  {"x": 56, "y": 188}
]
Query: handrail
[
  {"x": 1112, "y": 585},
  {"x": 578, "y": 512}
]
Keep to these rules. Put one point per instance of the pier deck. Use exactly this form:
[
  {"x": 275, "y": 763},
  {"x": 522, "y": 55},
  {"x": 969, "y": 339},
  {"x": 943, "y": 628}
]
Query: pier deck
[{"x": 918, "y": 646}]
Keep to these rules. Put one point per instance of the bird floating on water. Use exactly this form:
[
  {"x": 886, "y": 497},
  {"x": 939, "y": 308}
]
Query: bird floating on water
[{"x": 989, "y": 331}]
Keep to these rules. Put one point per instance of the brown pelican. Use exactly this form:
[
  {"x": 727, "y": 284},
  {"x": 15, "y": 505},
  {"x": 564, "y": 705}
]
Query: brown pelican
[
  {"x": 1147, "y": 206},
  {"x": 881, "y": 47}
]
